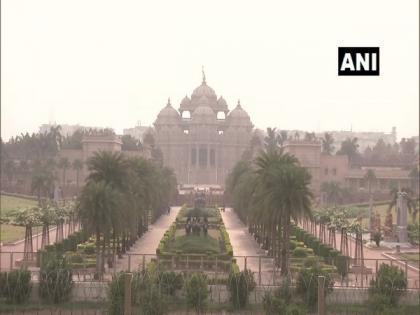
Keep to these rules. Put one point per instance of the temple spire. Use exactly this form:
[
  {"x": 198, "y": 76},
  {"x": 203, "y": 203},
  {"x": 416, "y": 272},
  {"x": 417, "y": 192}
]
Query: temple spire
[
  {"x": 204, "y": 75},
  {"x": 169, "y": 102}
]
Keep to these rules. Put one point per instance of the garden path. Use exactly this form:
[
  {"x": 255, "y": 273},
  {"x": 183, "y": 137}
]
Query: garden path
[
  {"x": 244, "y": 244},
  {"x": 147, "y": 244}
]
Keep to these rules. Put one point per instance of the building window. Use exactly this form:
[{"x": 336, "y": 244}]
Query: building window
[
  {"x": 220, "y": 132},
  {"x": 326, "y": 171},
  {"x": 221, "y": 115},
  {"x": 212, "y": 157},
  {"x": 193, "y": 156},
  {"x": 334, "y": 171},
  {"x": 186, "y": 132},
  {"x": 202, "y": 157}
]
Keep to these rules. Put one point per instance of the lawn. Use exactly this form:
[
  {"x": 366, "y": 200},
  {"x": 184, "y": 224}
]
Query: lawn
[
  {"x": 413, "y": 258},
  {"x": 383, "y": 209},
  {"x": 196, "y": 244},
  {"x": 10, "y": 233}
]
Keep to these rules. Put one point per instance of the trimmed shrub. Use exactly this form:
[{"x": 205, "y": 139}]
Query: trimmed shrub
[
  {"x": 197, "y": 292},
  {"x": 240, "y": 284},
  {"x": 55, "y": 280},
  {"x": 299, "y": 252},
  {"x": 16, "y": 286},
  {"x": 307, "y": 284},
  {"x": 170, "y": 281},
  {"x": 390, "y": 283}
]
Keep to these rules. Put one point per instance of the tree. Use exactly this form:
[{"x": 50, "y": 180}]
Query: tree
[
  {"x": 97, "y": 210},
  {"x": 283, "y": 189},
  {"x": 271, "y": 141},
  {"x": 77, "y": 166},
  {"x": 64, "y": 164},
  {"x": 408, "y": 196},
  {"x": 130, "y": 143},
  {"x": 370, "y": 177},
  {"x": 42, "y": 180},
  {"x": 327, "y": 143},
  {"x": 349, "y": 147},
  {"x": 333, "y": 191},
  {"x": 414, "y": 177}
]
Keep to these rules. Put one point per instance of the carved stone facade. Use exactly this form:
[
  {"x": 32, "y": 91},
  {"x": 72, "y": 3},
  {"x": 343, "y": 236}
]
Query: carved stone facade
[{"x": 203, "y": 140}]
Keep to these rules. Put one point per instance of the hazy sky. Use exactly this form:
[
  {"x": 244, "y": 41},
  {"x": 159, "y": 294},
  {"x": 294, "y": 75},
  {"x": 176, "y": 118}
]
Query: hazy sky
[{"x": 114, "y": 63}]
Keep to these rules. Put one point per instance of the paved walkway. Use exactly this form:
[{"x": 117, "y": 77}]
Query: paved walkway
[
  {"x": 147, "y": 244},
  {"x": 244, "y": 244}
]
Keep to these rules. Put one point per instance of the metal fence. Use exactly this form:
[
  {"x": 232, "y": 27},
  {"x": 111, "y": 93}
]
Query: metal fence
[{"x": 265, "y": 270}]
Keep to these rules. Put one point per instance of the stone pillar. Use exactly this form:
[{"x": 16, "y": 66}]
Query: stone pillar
[{"x": 402, "y": 217}]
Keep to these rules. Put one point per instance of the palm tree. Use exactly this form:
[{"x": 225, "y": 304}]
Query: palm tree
[
  {"x": 283, "y": 189},
  {"x": 370, "y": 177},
  {"x": 327, "y": 144},
  {"x": 110, "y": 167},
  {"x": 414, "y": 176},
  {"x": 271, "y": 141},
  {"x": 97, "y": 210},
  {"x": 64, "y": 164},
  {"x": 333, "y": 191},
  {"x": 42, "y": 180},
  {"x": 77, "y": 166}
]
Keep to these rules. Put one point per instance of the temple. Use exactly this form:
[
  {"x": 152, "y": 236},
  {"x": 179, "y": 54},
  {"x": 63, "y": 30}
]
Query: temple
[{"x": 203, "y": 140}]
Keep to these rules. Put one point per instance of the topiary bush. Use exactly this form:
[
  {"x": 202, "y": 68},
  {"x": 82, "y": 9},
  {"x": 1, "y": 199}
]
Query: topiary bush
[
  {"x": 299, "y": 252},
  {"x": 307, "y": 284},
  {"x": 240, "y": 284},
  {"x": 197, "y": 292},
  {"x": 55, "y": 280},
  {"x": 390, "y": 283},
  {"x": 15, "y": 286}
]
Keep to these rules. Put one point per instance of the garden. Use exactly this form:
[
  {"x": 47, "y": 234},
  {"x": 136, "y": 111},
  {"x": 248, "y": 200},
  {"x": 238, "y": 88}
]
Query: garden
[{"x": 196, "y": 240}]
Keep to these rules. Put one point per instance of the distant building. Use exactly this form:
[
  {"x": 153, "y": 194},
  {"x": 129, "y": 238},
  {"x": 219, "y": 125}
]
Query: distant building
[
  {"x": 66, "y": 130},
  {"x": 136, "y": 132},
  {"x": 364, "y": 138}
]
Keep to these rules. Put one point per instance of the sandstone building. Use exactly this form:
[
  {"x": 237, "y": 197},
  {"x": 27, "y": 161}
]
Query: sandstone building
[{"x": 203, "y": 140}]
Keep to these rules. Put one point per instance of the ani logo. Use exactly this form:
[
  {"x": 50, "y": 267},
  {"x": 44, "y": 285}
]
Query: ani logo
[{"x": 358, "y": 61}]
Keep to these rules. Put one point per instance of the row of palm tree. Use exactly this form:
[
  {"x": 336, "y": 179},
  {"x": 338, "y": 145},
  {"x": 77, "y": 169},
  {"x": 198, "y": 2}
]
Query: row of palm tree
[
  {"x": 268, "y": 193},
  {"x": 119, "y": 195}
]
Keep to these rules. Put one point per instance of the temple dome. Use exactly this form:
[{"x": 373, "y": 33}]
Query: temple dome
[
  {"x": 203, "y": 90},
  {"x": 168, "y": 115},
  {"x": 203, "y": 114},
  {"x": 238, "y": 116},
  {"x": 186, "y": 102},
  {"x": 221, "y": 103}
]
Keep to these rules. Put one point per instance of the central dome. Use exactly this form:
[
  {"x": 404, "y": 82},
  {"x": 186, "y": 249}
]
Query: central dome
[
  {"x": 204, "y": 90},
  {"x": 203, "y": 114}
]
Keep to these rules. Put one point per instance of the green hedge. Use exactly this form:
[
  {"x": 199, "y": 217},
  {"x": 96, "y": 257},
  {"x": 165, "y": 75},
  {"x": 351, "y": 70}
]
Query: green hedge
[{"x": 329, "y": 254}]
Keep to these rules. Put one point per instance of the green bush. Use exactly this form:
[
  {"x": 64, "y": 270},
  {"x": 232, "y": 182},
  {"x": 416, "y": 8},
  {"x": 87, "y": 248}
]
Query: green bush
[
  {"x": 279, "y": 301},
  {"x": 390, "y": 283},
  {"x": 307, "y": 284},
  {"x": 170, "y": 281},
  {"x": 299, "y": 252},
  {"x": 197, "y": 291},
  {"x": 55, "y": 280},
  {"x": 16, "y": 286},
  {"x": 240, "y": 285}
]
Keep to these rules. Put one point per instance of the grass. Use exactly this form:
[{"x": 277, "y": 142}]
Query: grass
[
  {"x": 194, "y": 244},
  {"x": 8, "y": 203},
  {"x": 413, "y": 258},
  {"x": 383, "y": 210},
  {"x": 10, "y": 233}
]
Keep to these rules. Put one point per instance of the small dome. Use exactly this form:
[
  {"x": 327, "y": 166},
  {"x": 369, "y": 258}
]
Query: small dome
[
  {"x": 186, "y": 102},
  {"x": 221, "y": 102},
  {"x": 168, "y": 115},
  {"x": 239, "y": 117}
]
